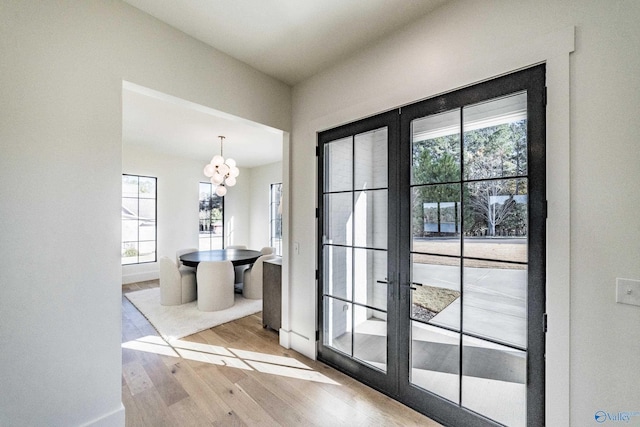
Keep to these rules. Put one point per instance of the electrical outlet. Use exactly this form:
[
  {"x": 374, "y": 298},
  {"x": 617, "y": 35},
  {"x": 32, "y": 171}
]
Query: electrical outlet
[{"x": 628, "y": 291}]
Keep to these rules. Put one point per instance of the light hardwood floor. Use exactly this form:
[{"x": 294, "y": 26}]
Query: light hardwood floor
[{"x": 236, "y": 374}]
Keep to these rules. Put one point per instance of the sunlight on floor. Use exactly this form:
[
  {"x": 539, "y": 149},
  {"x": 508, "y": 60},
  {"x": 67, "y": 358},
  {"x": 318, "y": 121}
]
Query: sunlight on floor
[
  {"x": 233, "y": 358},
  {"x": 151, "y": 344}
]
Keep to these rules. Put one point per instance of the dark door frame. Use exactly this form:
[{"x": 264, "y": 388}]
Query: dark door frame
[
  {"x": 366, "y": 374},
  {"x": 531, "y": 80}
]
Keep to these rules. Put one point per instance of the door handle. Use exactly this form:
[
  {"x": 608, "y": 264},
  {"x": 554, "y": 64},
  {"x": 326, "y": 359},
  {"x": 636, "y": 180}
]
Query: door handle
[
  {"x": 385, "y": 282},
  {"x": 412, "y": 287}
]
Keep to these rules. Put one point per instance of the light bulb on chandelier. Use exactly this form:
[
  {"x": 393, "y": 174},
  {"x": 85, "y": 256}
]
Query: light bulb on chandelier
[
  {"x": 222, "y": 173},
  {"x": 221, "y": 190}
]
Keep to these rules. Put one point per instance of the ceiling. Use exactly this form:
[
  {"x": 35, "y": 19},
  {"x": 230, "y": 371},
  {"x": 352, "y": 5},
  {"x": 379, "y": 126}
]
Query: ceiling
[
  {"x": 290, "y": 40},
  {"x": 173, "y": 126}
]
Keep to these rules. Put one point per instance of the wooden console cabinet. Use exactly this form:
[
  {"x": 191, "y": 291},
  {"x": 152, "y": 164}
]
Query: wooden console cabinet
[{"x": 272, "y": 293}]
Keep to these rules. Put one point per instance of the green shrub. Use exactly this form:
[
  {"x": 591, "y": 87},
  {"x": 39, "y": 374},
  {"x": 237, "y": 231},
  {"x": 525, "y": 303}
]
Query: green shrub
[{"x": 130, "y": 252}]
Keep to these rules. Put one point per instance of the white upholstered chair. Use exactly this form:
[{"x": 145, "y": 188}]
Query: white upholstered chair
[
  {"x": 215, "y": 285},
  {"x": 267, "y": 250},
  {"x": 252, "y": 283},
  {"x": 239, "y": 270},
  {"x": 177, "y": 286},
  {"x": 181, "y": 252}
]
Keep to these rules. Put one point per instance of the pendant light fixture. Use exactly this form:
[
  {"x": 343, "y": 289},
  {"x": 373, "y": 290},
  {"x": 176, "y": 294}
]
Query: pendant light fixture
[{"x": 222, "y": 172}]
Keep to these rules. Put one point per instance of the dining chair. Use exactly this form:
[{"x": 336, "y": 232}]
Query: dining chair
[
  {"x": 215, "y": 285},
  {"x": 268, "y": 250},
  {"x": 252, "y": 283},
  {"x": 177, "y": 285},
  {"x": 239, "y": 270},
  {"x": 181, "y": 252}
]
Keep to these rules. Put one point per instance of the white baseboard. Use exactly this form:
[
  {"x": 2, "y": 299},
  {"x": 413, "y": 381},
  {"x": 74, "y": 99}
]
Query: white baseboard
[
  {"x": 140, "y": 277},
  {"x": 285, "y": 339},
  {"x": 299, "y": 343}
]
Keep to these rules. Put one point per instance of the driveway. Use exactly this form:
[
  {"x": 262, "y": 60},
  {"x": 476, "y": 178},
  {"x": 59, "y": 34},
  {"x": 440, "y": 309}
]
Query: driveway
[{"x": 494, "y": 300}]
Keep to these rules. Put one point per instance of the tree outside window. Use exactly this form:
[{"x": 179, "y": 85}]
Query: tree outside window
[{"x": 211, "y": 218}]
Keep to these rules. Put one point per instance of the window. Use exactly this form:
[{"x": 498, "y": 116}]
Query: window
[
  {"x": 275, "y": 217},
  {"x": 138, "y": 219},
  {"x": 211, "y": 218}
]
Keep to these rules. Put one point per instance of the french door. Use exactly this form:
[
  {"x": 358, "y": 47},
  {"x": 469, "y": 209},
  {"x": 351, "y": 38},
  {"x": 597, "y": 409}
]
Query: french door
[{"x": 431, "y": 252}]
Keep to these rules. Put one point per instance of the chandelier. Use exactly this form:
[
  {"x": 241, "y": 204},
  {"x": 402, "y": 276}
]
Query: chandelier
[{"x": 222, "y": 172}]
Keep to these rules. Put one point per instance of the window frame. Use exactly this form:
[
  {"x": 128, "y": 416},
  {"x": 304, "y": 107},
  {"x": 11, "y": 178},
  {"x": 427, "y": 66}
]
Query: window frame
[
  {"x": 275, "y": 207},
  {"x": 200, "y": 232},
  {"x": 155, "y": 220}
]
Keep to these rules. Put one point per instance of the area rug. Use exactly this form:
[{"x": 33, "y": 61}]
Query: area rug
[{"x": 178, "y": 321}]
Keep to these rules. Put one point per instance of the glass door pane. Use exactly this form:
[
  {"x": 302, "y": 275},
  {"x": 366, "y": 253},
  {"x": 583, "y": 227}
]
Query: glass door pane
[
  {"x": 436, "y": 223},
  {"x": 474, "y": 252},
  {"x": 354, "y": 247},
  {"x": 494, "y": 381},
  {"x": 495, "y": 210}
]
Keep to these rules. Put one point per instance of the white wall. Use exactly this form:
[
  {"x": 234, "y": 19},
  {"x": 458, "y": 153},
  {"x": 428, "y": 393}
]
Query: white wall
[
  {"x": 61, "y": 76},
  {"x": 237, "y": 210},
  {"x": 594, "y": 231},
  {"x": 261, "y": 179}
]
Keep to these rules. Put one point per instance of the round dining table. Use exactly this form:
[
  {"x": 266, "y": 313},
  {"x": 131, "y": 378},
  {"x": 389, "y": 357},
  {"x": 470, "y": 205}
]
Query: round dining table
[{"x": 236, "y": 256}]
